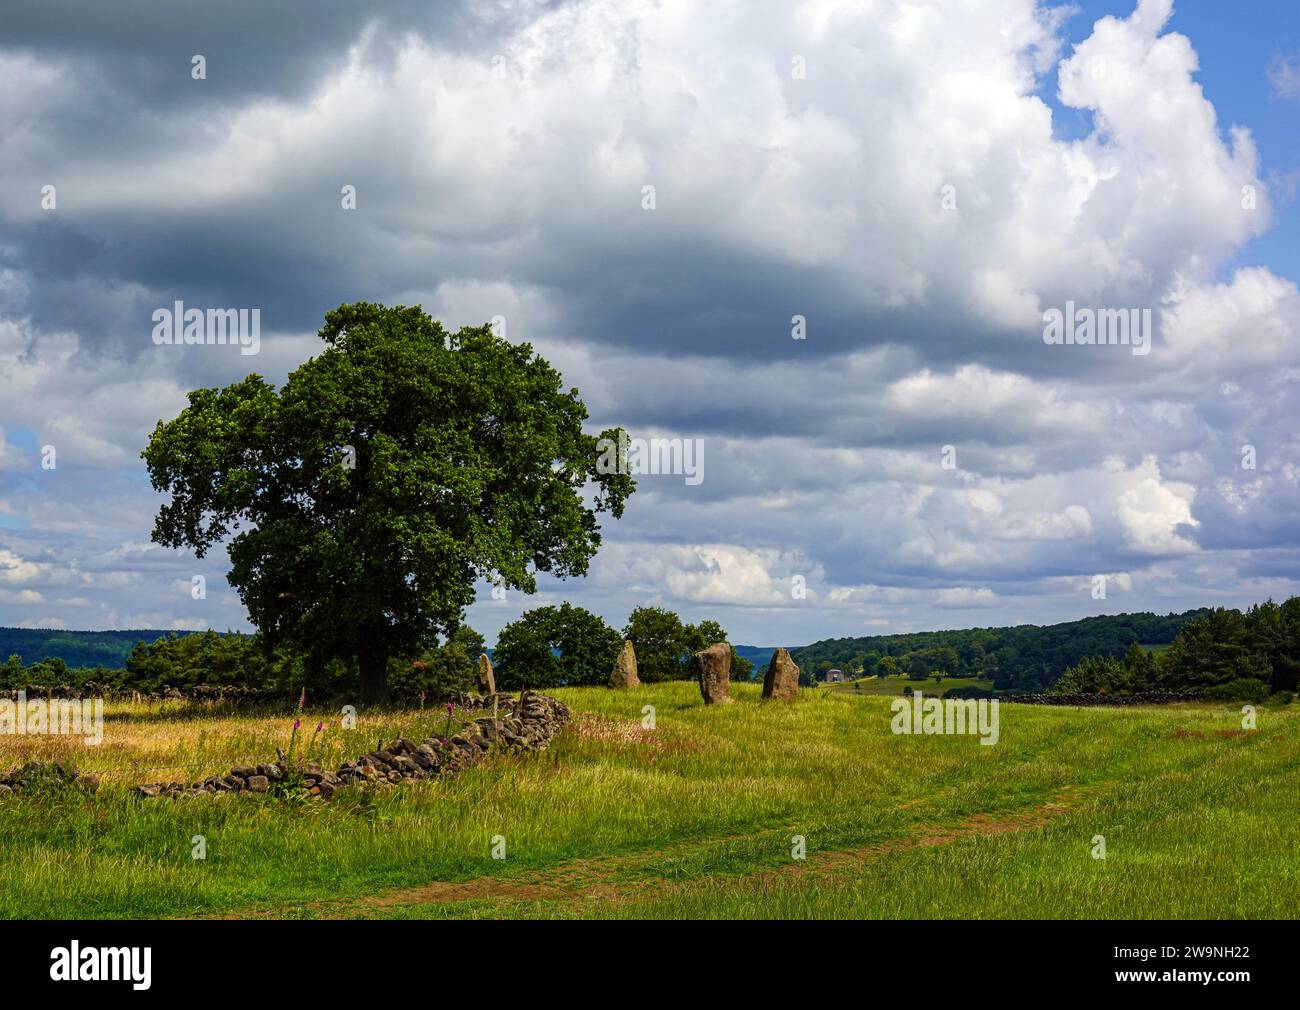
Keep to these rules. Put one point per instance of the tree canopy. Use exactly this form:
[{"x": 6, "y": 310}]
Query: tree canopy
[
  {"x": 1221, "y": 653},
  {"x": 554, "y": 646},
  {"x": 664, "y": 644},
  {"x": 1023, "y": 658}
]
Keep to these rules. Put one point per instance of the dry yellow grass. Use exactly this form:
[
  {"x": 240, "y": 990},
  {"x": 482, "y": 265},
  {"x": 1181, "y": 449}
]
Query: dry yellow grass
[{"x": 174, "y": 741}]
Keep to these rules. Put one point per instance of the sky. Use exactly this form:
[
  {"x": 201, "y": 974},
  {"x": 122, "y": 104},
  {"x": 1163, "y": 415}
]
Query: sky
[{"x": 820, "y": 240}]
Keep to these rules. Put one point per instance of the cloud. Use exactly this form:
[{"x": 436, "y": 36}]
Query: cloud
[
  {"x": 966, "y": 598},
  {"x": 909, "y": 195},
  {"x": 1152, "y": 511},
  {"x": 54, "y": 623},
  {"x": 23, "y": 597},
  {"x": 15, "y": 571},
  {"x": 1284, "y": 77}
]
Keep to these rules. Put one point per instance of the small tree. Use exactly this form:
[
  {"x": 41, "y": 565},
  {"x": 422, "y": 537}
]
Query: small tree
[
  {"x": 660, "y": 641},
  {"x": 555, "y": 646},
  {"x": 701, "y": 636}
]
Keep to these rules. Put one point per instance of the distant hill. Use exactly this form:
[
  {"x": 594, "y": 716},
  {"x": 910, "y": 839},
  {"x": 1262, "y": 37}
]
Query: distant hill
[
  {"x": 759, "y": 655},
  {"x": 1026, "y": 657},
  {"x": 110, "y": 648},
  {"x": 76, "y": 648}
]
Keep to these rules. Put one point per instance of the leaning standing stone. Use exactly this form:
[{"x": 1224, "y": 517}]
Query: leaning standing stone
[
  {"x": 713, "y": 667},
  {"x": 486, "y": 681},
  {"x": 782, "y": 680},
  {"x": 624, "y": 674}
]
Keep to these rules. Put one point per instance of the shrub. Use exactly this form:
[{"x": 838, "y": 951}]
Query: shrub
[
  {"x": 970, "y": 692},
  {"x": 1094, "y": 675},
  {"x": 1241, "y": 689},
  {"x": 441, "y": 672}
]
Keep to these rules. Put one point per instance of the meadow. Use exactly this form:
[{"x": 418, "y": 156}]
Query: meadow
[
  {"x": 893, "y": 686},
  {"x": 696, "y": 817}
]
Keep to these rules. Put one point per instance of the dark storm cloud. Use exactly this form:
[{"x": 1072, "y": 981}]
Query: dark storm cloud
[{"x": 254, "y": 48}]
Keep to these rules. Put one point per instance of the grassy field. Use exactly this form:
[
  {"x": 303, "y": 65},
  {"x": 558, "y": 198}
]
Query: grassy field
[
  {"x": 893, "y": 686},
  {"x": 692, "y": 818}
]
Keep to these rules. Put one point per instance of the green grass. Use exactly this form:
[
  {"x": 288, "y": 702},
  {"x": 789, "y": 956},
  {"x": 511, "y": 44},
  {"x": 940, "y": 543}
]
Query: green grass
[
  {"x": 893, "y": 686},
  {"x": 695, "y": 818}
]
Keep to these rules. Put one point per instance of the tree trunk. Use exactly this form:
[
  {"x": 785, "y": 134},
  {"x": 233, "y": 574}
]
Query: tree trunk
[{"x": 374, "y": 677}]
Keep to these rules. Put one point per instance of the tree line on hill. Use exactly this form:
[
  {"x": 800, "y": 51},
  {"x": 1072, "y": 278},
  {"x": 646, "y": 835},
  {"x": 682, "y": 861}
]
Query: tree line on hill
[
  {"x": 1025, "y": 658},
  {"x": 545, "y": 647},
  {"x": 1221, "y": 653},
  {"x": 75, "y": 648}
]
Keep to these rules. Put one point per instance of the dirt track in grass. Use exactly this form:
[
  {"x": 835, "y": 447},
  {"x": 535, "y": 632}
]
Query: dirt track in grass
[{"x": 614, "y": 878}]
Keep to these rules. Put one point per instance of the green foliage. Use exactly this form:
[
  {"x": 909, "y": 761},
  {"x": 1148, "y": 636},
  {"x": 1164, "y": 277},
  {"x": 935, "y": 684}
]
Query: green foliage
[
  {"x": 664, "y": 645},
  {"x": 659, "y": 638},
  {"x": 701, "y": 636},
  {"x": 1224, "y": 645},
  {"x": 76, "y": 648},
  {"x": 439, "y": 672},
  {"x": 390, "y": 472},
  {"x": 1241, "y": 689},
  {"x": 1217, "y": 651},
  {"x": 1023, "y": 658},
  {"x": 554, "y": 647},
  {"x": 970, "y": 691},
  {"x": 210, "y": 658},
  {"x": 1095, "y": 675}
]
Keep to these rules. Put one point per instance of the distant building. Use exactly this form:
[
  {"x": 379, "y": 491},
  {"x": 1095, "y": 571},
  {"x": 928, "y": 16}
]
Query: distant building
[{"x": 836, "y": 677}]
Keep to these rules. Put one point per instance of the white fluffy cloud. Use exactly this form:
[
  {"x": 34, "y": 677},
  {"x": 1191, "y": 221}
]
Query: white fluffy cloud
[{"x": 888, "y": 170}]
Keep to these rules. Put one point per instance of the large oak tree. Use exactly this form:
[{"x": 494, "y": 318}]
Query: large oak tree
[{"x": 364, "y": 499}]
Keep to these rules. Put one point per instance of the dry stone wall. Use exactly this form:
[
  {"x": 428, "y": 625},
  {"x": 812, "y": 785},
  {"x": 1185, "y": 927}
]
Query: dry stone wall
[
  {"x": 36, "y": 776},
  {"x": 1141, "y": 698},
  {"x": 528, "y": 723}
]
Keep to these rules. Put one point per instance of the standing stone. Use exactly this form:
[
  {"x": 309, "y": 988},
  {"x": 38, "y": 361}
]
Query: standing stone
[
  {"x": 486, "y": 681},
  {"x": 782, "y": 679},
  {"x": 624, "y": 674},
  {"x": 713, "y": 667}
]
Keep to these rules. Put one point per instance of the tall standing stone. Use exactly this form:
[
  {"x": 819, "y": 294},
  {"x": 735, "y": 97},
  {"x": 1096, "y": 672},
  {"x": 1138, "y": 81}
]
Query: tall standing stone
[
  {"x": 624, "y": 674},
  {"x": 782, "y": 679},
  {"x": 713, "y": 667},
  {"x": 487, "y": 683}
]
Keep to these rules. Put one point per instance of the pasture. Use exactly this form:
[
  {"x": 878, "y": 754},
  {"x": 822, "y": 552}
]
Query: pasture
[{"x": 696, "y": 817}]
